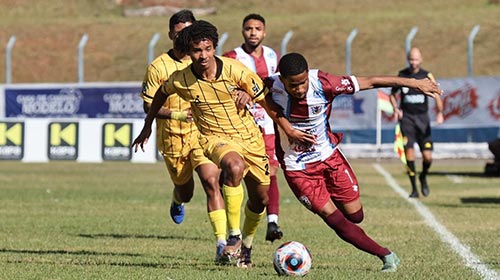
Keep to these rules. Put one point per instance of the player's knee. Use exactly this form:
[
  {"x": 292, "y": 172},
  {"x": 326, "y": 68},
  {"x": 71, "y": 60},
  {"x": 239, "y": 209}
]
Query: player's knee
[
  {"x": 234, "y": 172},
  {"x": 356, "y": 217}
]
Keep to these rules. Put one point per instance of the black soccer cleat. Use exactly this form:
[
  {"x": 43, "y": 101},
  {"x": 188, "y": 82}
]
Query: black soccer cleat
[
  {"x": 423, "y": 183},
  {"x": 414, "y": 194},
  {"x": 273, "y": 232}
]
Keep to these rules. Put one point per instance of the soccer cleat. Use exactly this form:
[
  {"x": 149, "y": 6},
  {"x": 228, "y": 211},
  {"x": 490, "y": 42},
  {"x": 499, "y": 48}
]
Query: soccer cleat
[
  {"x": 245, "y": 259},
  {"x": 177, "y": 212},
  {"x": 273, "y": 232},
  {"x": 414, "y": 194},
  {"x": 391, "y": 262},
  {"x": 423, "y": 182},
  {"x": 220, "y": 258},
  {"x": 233, "y": 246}
]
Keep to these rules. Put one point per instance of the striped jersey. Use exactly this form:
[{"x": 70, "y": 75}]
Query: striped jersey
[
  {"x": 171, "y": 135},
  {"x": 264, "y": 66},
  {"x": 311, "y": 115},
  {"x": 213, "y": 102}
]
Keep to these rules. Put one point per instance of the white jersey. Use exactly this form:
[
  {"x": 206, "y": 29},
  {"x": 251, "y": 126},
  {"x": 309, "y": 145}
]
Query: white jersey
[
  {"x": 263, "y": 70},
  {"x": 310, "y": 115}
]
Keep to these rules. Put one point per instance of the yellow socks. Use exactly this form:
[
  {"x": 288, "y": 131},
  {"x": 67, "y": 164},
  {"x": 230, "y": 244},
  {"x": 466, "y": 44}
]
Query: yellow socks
[
  {"x": 252, "y": 221},
  {"x": 233, "y": 197},
  {"x": 218, "y": 220}
]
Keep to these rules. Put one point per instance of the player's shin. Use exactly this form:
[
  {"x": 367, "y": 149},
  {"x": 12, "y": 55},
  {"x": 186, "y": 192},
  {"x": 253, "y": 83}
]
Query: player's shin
[
  {"x": 354, "y": 235},
  {"x": 410, "y": 166},
  {"x": 233, "y": 198},
  {"x": 252, "y": 221}
]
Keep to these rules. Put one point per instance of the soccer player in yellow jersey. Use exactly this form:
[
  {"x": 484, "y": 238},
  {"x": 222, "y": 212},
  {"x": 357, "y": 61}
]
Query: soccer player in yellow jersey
[
  {"x": 177, "y": 139},
  {"x": 229, "y": 137}
]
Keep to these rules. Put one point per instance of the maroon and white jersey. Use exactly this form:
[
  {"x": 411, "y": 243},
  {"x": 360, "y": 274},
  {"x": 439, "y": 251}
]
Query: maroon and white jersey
[
  {"x": 264, "y": 66},
  {"x": 310, "y": 115}
]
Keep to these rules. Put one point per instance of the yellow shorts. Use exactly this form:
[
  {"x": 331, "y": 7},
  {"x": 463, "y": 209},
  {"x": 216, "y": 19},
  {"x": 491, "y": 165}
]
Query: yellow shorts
[
  {"x": 253, "y": 151},
  {"x": 181, "y": 168}
]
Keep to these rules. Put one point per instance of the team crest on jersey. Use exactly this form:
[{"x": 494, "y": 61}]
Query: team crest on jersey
[
  {"x": 315, "y": 109},
  {"x": 305, "y": 201}
]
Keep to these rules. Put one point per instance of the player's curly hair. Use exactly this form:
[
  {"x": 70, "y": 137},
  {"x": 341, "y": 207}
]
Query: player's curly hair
[
  {"x": 195, "y": 33},
  {"x": 292, "y": 64}
]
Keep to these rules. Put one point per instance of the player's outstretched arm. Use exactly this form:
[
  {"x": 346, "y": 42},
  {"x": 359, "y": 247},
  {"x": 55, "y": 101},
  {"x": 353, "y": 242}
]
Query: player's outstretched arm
[{"x": 426, "y": 86}]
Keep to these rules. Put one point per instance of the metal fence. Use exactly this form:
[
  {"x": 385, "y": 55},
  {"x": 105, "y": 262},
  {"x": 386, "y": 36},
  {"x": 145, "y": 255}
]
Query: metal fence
[{"x": 284, "y": 43}]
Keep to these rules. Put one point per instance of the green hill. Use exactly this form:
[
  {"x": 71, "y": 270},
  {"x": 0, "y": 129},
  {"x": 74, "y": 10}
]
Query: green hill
[{"x": 48, "y": 33}]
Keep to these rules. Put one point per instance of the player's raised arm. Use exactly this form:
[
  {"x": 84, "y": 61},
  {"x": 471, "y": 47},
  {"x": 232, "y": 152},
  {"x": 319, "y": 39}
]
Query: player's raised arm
[{"x": 426, "y": 86}]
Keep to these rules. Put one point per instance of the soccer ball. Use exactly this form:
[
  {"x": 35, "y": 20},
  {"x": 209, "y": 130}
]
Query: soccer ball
[{"x": 293, "y": 259}]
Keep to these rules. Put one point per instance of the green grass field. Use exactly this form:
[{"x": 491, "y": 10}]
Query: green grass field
[{"x": 66, "y": 220}]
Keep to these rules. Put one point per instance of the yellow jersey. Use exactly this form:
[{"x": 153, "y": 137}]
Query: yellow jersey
[
  {"x": 213, "y": 102},
  {"x": 174, "y": 138}
]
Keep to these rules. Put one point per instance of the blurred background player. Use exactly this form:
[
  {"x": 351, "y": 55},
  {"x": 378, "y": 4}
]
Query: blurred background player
[
  {"x": 317, "y": 172},
  {"x": 177, "y": 136},
  {"x": 262, "y": 60},
  {"x": 413, "y": 116},
  {"x": 229, "y": 136}
]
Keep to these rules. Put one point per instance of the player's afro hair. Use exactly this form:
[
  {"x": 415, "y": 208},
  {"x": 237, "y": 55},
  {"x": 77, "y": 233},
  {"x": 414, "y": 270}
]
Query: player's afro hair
[
  {"x": 198, "y": 31},
  {"x": 292, "y": 64}
]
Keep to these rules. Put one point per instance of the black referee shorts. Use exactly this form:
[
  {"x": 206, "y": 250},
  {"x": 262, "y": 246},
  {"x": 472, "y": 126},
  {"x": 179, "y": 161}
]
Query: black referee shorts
[{"x": 417, "y": 128}]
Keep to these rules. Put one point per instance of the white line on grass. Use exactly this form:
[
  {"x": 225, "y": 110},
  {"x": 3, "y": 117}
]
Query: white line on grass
[
  {"x": 470, "y": 259},
  {"x": 455, "y": 179}
]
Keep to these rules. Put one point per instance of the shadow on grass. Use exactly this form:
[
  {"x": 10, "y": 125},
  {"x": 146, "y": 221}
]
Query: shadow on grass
[
  {"x": 473, "y": 202},
  {"x": 138, "y": 236},
  {"x": 66, "y": 252},
  {"x": 467, "y": 174},
  {"x": 171, "y": 262},
  {"x": 481, "y": 200}
]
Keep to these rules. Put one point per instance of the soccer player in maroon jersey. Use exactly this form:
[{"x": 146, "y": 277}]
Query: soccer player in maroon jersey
[
  {"x": 263, "y": 60},
  {"x": 299, "y": 101}
]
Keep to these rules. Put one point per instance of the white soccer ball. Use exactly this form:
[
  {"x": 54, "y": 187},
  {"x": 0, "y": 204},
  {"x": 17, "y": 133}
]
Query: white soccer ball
[{"x": 293, "y": 259}]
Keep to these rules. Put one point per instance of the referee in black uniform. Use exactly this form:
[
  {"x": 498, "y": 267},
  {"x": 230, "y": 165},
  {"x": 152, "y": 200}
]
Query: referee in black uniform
[{"x": 412, "y": 113}]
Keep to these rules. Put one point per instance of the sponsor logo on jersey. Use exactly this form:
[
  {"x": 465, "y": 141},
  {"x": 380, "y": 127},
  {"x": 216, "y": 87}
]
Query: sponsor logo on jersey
[
  {"x": 116, "y": 140},
  {"x": 63, "y": 141},
  {"x": 414, "y": 99},
  {"x": 255, "y": 87},
  {"x": 11, "y": 140}
]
